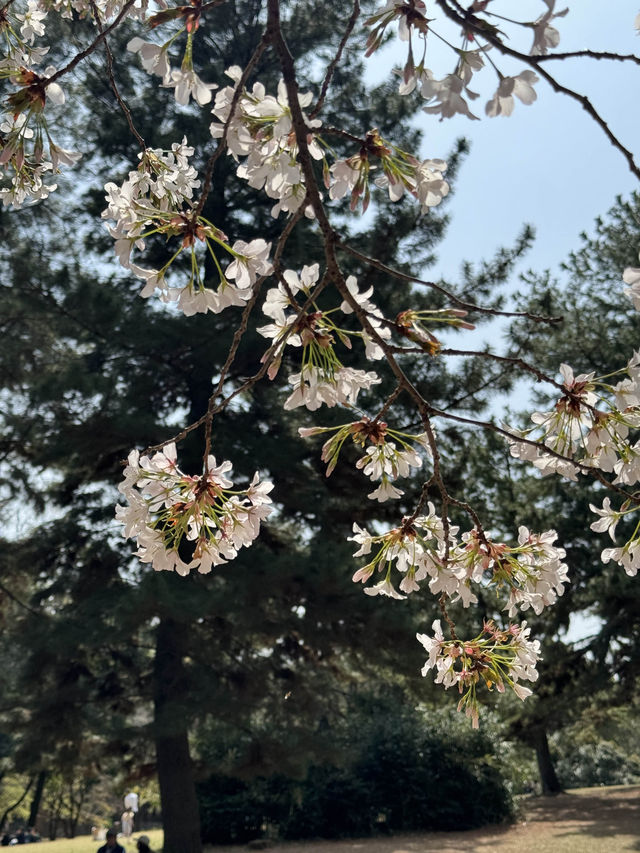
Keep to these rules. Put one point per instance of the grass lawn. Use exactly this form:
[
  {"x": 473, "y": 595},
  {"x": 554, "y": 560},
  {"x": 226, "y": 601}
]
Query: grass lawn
[
  {"x": 585, "y": 820},
  {"x": 84, "y": 844}
]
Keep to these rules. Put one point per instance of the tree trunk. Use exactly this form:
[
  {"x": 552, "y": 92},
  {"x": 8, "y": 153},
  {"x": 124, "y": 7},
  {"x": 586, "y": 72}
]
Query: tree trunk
[
  {"x": 180, "y": 813},
  {"x": 37, "y": 799},
  {"x": 548, "y": 778}
]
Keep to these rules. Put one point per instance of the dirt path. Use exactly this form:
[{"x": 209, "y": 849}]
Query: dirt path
[{"x": 590, "y": 820}]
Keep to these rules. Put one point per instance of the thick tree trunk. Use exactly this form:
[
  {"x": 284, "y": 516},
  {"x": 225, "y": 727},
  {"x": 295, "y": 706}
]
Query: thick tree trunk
[
  {"x": 37, "y": 799},
  {"x": 548, "y": 778},
  {"x": 180, "y": 814}
]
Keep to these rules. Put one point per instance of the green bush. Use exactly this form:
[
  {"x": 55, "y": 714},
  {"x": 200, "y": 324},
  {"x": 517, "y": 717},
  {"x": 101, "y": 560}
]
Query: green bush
[
  {"x": 402, "y": 771},
  {"x": 589, "y": 764}
]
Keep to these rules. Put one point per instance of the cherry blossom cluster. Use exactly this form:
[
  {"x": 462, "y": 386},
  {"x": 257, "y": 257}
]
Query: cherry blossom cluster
[
  {"x": 531, "y": 572},
  {"x": 183, "y": 522},
  {"x": 594, "y": 425},
  {"x": 315, "y": 330},
  {"x": 24, "y": 131},
  {"x": 322, "y": 379},
  {"x": 446, "y": 97},
  {"x": 627, "y": 555},
  {"x": 388, "y": 453},
  {"x": 156, "y": 199},
  {"x": 261, "y": 131},
  {"x": 496, "y": 658},
  {"x": 400, "y": 171},
  {"x": 589, "y": 427},
  {"x": 416, "y": 549},
  {"x": 329, "y": 384},
  {"x": 155, "y": 57},
  {"x": 184, "y": 80},
  {"x": 106, "y": 9}
]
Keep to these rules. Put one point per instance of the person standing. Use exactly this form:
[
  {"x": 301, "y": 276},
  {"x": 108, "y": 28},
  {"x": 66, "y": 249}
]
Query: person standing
[{"x": 126, "y": 821}]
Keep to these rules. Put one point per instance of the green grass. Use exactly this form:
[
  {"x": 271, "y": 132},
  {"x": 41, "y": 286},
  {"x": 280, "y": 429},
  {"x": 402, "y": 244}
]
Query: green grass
[
  {"x": 588, "y": 820},
  {"x": 84, "y": 844}
]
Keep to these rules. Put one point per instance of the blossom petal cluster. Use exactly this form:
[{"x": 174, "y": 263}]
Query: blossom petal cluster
[
  {"x": 628, "y": 554},
  {"x": 401, "y": 172},
  {"x": 323, "y": 378},
  {"x": 157, "y": 199},
  {"x": 590, "y": 426},
  {"x": 532, "y": 572},
  {"x": 448, "y": 96},
  {"x": 260, "y": 130},
  {"x": 183, "y": 522},
  {"x": 184, "y": 81},
  {"x": 388, "y": 454},
  {"x": 496, "y": 658},
  {"x": 27, "y": 149},
  {"x": 416, "y": 549}
]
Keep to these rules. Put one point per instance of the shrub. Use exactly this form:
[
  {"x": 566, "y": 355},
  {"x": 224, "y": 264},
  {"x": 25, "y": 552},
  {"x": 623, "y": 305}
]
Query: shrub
[{"x": 402, "y": 772}]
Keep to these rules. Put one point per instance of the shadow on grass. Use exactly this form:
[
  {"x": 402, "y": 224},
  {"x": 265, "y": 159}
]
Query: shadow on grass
[{"x": 617, "y": 813}]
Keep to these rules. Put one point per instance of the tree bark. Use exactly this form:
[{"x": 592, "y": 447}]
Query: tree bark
[
  {"x": 180, "y": 812},
  {"x": 548, "y": 779},
  {"x": 37, "y": 799}
]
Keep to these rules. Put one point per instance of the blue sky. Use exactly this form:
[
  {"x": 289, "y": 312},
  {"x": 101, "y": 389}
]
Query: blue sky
[{"x": 548, "y": 164}]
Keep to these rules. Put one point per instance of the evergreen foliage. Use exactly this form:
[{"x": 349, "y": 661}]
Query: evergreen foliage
[{"x": 400, "y": 771}]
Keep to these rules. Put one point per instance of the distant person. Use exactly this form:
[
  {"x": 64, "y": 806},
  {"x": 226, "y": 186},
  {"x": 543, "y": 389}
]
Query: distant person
[
  {"x": 127, "y": 823},
  {"x": 131, "y": 801},
  {"x": 143, "y": 844},
  {"x": 112, "y": 845}
]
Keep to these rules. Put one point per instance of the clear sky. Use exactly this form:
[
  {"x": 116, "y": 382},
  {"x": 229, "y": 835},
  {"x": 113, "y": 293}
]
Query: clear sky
[{"x": 548, "y": 164}]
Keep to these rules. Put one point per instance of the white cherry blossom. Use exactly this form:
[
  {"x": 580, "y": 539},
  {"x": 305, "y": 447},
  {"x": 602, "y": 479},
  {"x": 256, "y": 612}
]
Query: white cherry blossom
[{"x": 520, "y": 86}]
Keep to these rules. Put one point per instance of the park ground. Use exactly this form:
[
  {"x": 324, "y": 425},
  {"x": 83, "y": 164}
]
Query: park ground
[{"x": 585, "y": 820}]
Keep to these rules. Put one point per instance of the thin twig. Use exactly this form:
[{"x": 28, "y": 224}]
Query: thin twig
[
  {"x": 336, "y": 59},
  {"x": 388, "y": 403},
  {"x": 19, "y": 602},
  {"x": 94, "y": 44},
  {"x": 514, "y": 360},
  {"x": 467, "y": 306},
  {"x": 222, "y": 144},
  {"x": 592, "y": 54},
  {"x": 112, "y": 80},
  {"x": 343, "y": 134}
]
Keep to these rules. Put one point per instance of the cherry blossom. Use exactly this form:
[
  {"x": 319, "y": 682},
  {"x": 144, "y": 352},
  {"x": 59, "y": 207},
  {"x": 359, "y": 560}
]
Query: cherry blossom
[
  {"x": 520, "y": 86},
  {"x": 496, "y": 658},
  {"x": 544, "y": 35},
  {"x": 170, "y": 513}
]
